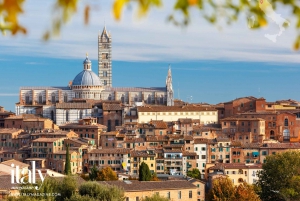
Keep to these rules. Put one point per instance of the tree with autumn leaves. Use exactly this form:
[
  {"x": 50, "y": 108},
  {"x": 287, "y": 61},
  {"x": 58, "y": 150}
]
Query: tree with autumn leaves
[
  {"x": 224, "y": 190},
  {"x": 214, "y": 11},
  {"x": 105, "y": 174}
]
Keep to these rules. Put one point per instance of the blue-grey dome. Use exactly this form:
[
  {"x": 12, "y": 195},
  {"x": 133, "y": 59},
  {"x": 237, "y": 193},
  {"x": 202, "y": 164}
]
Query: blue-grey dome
[
  {"x": 87, "y": 78},
  {"x": 87, "y": 60}
]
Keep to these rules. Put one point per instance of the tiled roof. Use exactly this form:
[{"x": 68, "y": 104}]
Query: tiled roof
[
  {"x": 109, "y": 106},
  {"x": 222, "y": 166},
  {"x": 251, "y": 145},
  {"x": 200, "y": 141},
  {"x": 20, "y": 164},
  {"x": 173, "y": 108},
  {"x": 172, "y": 151},
  {"x": 137, "y": 140},
  {"x": 281, "y": 145},
  {"x": 188, "y": 137},
  {"x": 242, "y": 119},
  {"x": 9, "y": 130},
  {"x": 133, "y": 185},
  {"x": 185, "y": 121},
  {"x": 47, "y": 139},
  {"x": 110, "y": 133},
  {"x": 76, "y": 125},
  {"x": 156, "y": 139},
  {"x": 187, "y": 153},
  {"x": 159, "y": 124},
  {"x": 110, "y": 151},
  {"x": 173, "y": 145},
  {"x": 5, "y": 183}
]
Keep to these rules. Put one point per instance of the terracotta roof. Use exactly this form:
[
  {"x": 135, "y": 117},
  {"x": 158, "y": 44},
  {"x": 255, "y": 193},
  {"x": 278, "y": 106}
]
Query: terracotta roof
[
  {"x": 187, "y": 153},
  {"x": 251, "y": 145},
  {"x": 247, "y": 97},
  {"x": 110, "y": 151},
  {"x": 281, "y": 145},
  {"x": 139, "y": 154},
  {"x": 20, "y": 164},
  {"x": 185, "y": 121},
  {"x": 173, "y": 108},
  {"x": 242, "y": 119},
  {"x": 5, "y": 183},
  {"x": 156, "y": 139},
  {"x": 111, "y": 106},
  {"x": 133, "y": 185},
  {"x": 76, "y": 125},
  {"x": 159, "y": 124},
  {"x": 172, "y": 151},
  {"x": 110, "y": 133},
  {"x": 137, "y": 140},
  {"x": 173, "y": 145},
  {"x": 47, "y": 139},
  {"x": 200, "y": 141},
  {"x": 26, "y": 116},
  {"x": 224, "y": 166},
  {"x": 9, "y": 130},
  {"x": 188, "y": 137}
]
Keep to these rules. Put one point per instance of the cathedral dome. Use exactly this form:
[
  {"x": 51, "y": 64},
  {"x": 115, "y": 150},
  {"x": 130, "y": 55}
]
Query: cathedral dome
[{"x": 87, "y": 77}]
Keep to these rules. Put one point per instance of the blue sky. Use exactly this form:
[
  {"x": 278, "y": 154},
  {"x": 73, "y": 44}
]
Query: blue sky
[{"x": 209, "y": 64}]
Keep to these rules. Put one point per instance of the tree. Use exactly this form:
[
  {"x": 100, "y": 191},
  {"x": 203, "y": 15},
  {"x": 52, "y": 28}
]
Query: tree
[
  {"x": 101, "y": 192},
  {"x": 245, "y": 192},
  {"x": 214, "y": 11},
  {"x": 224, "y": 190},
  {"x": 68, "y": 162},
  {"x": 107, "y": 174},
  {"x": 155, "y": 197},
  {"x": 93, "y": 173},
  {"x": 195, "y": 173},
  {"x": 144, "y": 172},
  {"x": 280, "y": 177},
  {"x": 67, "y": 187}
]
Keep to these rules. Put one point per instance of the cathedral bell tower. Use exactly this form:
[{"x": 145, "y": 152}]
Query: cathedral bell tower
[
  {"x": 170, "y": 93},
  {"x": 104, "y": 58}
]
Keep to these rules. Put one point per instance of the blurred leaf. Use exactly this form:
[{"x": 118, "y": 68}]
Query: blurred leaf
[
  {"x": 118, "y": 7},
  {"x": 86, "y": 14}
]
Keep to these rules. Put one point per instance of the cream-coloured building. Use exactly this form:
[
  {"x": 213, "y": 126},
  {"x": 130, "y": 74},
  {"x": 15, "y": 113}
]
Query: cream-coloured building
[
  {"x": 175, "y": 190},
  {"x": 238, "y": 173},
  {"x": 206, "y": 115}
]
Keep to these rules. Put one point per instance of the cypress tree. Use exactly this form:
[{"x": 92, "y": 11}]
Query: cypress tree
[
  {"x": 144, "y": 172},
  {"x": 68, "y": 162}
]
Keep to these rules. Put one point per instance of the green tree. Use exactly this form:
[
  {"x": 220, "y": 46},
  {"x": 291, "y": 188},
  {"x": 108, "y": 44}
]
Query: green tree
[
  {"x": 144, "y": 172},
  {"x": 195, "y": 173},
  {"x": 93, "y": 173},
  {"x": 107, "y": 174},
  {"x": 279, "y": 178},
  {"x": 155, "y": 197},
  {"x": 77, "y": 197},
  {"x": 101, "y": 192},
  {"x": 67, "y": 187},
  {"x": 214, "y": 11},
  {"x": 68, "y": 162}
]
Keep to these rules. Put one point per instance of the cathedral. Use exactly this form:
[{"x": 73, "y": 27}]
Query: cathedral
[{"x": 75, "y": 101}]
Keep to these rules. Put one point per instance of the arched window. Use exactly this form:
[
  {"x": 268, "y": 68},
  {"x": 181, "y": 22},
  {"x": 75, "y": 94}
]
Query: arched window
[
  {"x": 109, "y": 97},
  {"x": 272, "y": 134},
  {"x": 27, "y": 99},
  {"x": 161, "y": 100},
  {"x": 240, "y": 171},
  {"x": 286, "y": 122},
  {"x": 40, "y": 98},
  {"x": 240, "y": 180},
  {"x": 53, "y": 98},
  {"x": 286, "y": 135},
  {"x": 149, "y": 99},
  {"x": 65, "y": 97},
  {"x": 135, "y": 98},
  {"x": 67, "y": 115},
  {"x": 123, "y": 98},
  {"x": 104, "y": 73}
]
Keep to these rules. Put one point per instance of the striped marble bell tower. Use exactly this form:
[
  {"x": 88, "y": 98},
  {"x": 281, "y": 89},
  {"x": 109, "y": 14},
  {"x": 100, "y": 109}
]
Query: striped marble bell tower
[{"x": 104, "y": 58}]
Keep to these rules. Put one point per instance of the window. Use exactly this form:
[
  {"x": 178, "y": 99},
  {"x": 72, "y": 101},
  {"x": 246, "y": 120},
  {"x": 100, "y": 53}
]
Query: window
[
  {"x": 27, "y": 99},
  {"x": 67, "y": 115},
  {"x": 137, "y": 199},
  {"x": 240, "y": 180},
  {"x": 286, "y": 122},
  {"x": 65, "y": 97},
  {"x": 179, "y": 194},
  {"x": 202, "y": 148},
  {"x": 123, "y": 98},
  {"x": 149, "y": 99},
  {"x": 168, "y": 195},
  {"x": 53, "y": 98},
  {"x": 190, "y": 194},
  {"x": 40, "y": 98},
  {"x": 203, "y": 156},
  {"x": 104, "y": 73}
]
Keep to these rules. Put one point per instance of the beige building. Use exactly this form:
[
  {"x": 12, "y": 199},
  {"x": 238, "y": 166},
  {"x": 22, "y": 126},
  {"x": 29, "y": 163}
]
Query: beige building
[
  {"x": 180, "y": 190},
  {"x": 9, "y": 138},
  {"x": 206, "y": 115}
]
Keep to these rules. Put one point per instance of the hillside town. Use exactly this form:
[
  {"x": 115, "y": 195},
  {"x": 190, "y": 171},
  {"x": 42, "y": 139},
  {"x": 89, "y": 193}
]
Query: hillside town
[{"x": 122, "y": 127}]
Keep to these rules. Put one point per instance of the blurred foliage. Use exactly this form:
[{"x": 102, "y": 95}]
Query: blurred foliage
[{"x": 217, "y": 12}]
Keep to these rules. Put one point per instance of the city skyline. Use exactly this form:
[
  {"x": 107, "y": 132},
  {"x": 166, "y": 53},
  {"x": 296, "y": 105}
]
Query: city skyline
[{"x": 220, "y": 61}]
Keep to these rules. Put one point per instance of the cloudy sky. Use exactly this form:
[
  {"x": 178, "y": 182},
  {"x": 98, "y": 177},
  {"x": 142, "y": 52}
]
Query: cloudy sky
[{"x": 240, "y": 61}]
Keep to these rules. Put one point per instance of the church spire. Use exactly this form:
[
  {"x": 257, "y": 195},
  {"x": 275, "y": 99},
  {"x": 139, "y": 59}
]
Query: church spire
[{"x": 170, "y": 98}]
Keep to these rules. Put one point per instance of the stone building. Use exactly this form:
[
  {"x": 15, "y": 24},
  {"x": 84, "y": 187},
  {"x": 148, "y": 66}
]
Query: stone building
[
  {"x": 69, "y": 103},
  {"x": 4, "y": 114}
]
